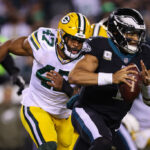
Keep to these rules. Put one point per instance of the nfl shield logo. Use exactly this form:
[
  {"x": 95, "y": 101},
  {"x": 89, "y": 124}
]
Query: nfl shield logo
[{"x": 126, "y": 60}]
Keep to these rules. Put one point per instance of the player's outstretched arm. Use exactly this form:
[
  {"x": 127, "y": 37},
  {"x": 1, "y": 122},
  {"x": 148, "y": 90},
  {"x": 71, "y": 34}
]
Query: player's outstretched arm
[
  {"x": 84, "y": 73},
  {"x": 19, "y": 46}
]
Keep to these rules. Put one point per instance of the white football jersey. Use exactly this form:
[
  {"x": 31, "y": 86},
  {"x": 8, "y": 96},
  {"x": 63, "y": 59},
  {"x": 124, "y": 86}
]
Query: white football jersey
[
  {"x": 43, "y": 44},
  {"x": 141, "y": 112}
]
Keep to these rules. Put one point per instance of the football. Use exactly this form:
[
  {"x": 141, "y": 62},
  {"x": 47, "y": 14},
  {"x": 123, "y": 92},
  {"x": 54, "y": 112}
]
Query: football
[{"x": 130, "y": 93}]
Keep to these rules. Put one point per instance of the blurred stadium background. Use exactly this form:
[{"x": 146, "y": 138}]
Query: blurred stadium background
[{"x": 20, "y": 18}]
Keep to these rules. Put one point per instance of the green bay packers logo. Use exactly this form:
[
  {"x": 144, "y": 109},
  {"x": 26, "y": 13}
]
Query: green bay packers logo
[{"x": 65, "y": 19}]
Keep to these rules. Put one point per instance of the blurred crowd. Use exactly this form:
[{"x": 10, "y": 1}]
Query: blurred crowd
[{"x": 22, "y": 17}]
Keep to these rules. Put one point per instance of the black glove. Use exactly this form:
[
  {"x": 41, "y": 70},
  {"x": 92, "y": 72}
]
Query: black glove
[
  {"x": 9, "y": 65},
  {"x": 19, "y": 81}
]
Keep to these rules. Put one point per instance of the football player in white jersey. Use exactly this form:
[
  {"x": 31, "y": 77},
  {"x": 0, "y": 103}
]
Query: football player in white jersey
[{"x": 55, "y": 52}]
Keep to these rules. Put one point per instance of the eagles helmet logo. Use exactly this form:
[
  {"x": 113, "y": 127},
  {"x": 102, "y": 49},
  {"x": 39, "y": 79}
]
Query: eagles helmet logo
[
  {"x": 86, "y": 47},
  {"x": 65, "y": 19}
]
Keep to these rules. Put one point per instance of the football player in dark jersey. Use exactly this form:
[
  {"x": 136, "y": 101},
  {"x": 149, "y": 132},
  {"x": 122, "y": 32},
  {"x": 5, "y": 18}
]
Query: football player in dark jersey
[
  {"x": 13, "y": 71},
  {"x": 100, "y": 108}
]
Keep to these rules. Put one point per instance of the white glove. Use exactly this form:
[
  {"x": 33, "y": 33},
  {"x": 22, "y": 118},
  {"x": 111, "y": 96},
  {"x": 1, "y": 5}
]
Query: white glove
[
  {"x": 142, "y": 138},
  {"x": 131, "y": 123}
]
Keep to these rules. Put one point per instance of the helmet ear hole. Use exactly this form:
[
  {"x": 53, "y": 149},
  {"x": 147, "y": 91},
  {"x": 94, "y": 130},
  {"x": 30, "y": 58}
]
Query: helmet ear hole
[{"x": 125, "y": 20}]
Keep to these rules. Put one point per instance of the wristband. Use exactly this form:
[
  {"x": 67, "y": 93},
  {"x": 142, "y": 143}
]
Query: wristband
[
  {"x": 72, "y": 101},
  {"x": 66, "y": 88},
  {"x": 104, "y": 78},
  {"x": 146, "y": 94}
]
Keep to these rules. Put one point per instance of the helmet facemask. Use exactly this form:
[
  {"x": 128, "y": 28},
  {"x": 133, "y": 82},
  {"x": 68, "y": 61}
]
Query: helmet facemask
[
  {"x": 122, "y": 24},
  {"x": 132, "y": 46},
  {"x": 71, "y": 53}
]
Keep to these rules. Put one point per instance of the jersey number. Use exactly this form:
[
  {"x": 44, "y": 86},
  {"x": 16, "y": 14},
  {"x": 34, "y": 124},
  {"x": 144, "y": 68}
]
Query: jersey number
[
  {"x": 51, "y": 41},
  {"x": 45, "y": 69}
]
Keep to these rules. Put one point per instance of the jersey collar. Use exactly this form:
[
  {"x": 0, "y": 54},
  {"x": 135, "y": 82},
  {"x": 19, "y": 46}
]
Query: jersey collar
[
  {"x": 117, "y": 51},
  {"x": 63, "y": 61}
]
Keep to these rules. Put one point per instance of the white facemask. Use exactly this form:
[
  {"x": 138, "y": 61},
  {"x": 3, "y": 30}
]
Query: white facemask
[
  {"x": 131, "y": 49},
  {"x": 69, "y": 54}
]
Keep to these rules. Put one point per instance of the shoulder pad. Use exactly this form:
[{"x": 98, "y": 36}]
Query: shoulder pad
[{"x": 42, "y": 37}]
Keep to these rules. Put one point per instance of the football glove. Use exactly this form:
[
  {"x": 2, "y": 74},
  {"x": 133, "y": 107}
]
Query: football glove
[
  {"x": 19, "y": 81},
  {"x": 131, "y": 123},
  {"x": 142, "y": 138}
]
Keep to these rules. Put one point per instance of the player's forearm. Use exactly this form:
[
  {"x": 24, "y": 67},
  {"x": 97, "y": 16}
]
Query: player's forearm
[
  {"x": 83, "y": 78},
  {"x": 4, "y": 50},
  {"x": 9, "y": 65},
  {"x": 19, "y": 46}
]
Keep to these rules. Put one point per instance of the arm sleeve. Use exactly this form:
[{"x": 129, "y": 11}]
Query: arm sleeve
[{"x": 9, "y": 65}]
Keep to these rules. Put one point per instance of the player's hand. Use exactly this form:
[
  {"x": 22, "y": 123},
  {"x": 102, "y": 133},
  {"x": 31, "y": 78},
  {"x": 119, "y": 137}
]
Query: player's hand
[
  {"x": 123, "y": 75},
  {"x": 56, "y": 80},
  {"x": 145, "y": 74},
  {"x": 19, "y": 81}
]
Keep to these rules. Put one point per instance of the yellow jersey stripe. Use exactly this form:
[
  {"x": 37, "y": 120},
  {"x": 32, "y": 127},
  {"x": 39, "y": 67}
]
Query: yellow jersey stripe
[{"x": 35, "y": 40}]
